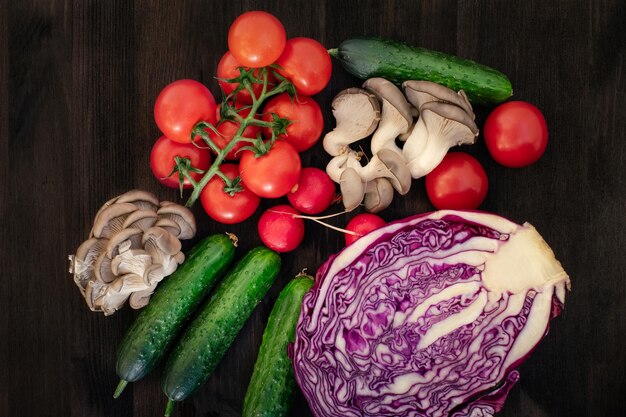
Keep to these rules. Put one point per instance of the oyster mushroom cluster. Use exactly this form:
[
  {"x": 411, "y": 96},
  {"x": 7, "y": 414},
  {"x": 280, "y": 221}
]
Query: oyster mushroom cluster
[
  {"x": 444, "y": 118},
  {"x": 133, "y": 245}
]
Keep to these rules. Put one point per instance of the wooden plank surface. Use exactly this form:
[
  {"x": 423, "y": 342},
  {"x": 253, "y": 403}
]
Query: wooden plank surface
[{"x": 78, "y": 80}]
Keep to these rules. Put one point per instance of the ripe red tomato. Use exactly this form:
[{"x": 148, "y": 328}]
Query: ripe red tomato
[
  {"x": 307, "y": 64},
  {"x": 280, "y": 229},
  {"x": 307, "y": 122},
  {"x": 362, "y": 224},
  {"x": 162, "y": 161},
  {"x": 314, "y": 192},
  {"x": 516, "y": 134},
  {"x": 228, "y": 68},
  {"x": 223, "y": 207},
  {"x": 256, "y": 39},
  {"x": 181, "y": 105},
  {"x": 227, "y": 130},
  {"x": 273, "y": 174},
  {"x": 459, "y": 182}
]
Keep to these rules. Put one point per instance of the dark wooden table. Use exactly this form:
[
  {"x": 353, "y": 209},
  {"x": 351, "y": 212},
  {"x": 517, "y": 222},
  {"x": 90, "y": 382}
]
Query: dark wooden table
[{"x": 78, "y": 80}]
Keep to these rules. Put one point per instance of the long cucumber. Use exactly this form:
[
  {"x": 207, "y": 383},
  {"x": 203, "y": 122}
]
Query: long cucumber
[
  {"x": 209, "y": 335},
  {"x": 176, "y": 298},
  {"x": 271, "y": 388},
  {"x": 398, "y": 62}
]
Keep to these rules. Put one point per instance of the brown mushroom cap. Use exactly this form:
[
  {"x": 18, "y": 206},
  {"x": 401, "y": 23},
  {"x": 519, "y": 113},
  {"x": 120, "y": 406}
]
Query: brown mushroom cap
[
  {"x": 158, "y": 239},
  {"x": 396, "y": 118},
  {"x": 437, "y": 110},
  {"x": 378, "y": 196},
  {"x": 400, "y": 177},
  {"x": 144, "y": 200},
  {"x": 131, "y": 238},
  {"x": 445, "y": 125},
  {"x": 387, "y": 91},
  {"x": 141, "y": 219},
  {"x": 111, "y": 219},
  {"x": 420, "y": 92},
  {"x": 182, "y": 216},
  {"x": 352, "y": 189}
]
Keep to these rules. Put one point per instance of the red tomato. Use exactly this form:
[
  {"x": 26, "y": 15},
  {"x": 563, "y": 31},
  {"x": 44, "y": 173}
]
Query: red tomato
[
  {"x": 256, "y": 39},
  {"x": 273, "y": 174},
  {"x": 307, "y": 64},
  {"x": 459, "y": 182},
  {"x": 307, "y": 122},
  {"x": 181, "y": 105},
  {"x": 223, "y": 207},
  {"x": 162, "y": 161},
  {"x": 280, "y": 229},
  {"x": 314, "y": 192},
  {"x": 516, "y": 134},
  {"x": 362, "y": 224},
  {"x": 228, "y": 68},
  {"x": 227, "y": 130}
]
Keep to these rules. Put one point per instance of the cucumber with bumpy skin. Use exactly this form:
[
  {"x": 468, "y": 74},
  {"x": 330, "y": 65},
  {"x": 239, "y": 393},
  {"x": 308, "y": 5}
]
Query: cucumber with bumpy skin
[
  {"x": 398, "y": 62},
  {"x": 176, "y": 298},
  {"x": 209, "y": 335},
  {"x": 271, "y": 388}
]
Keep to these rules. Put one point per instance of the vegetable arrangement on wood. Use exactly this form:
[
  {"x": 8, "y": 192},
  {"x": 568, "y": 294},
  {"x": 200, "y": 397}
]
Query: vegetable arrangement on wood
[{"x": 426, "y": 316}]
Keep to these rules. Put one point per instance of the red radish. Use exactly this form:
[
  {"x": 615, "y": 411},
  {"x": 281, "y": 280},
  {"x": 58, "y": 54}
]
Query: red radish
[
  {"x": 281, "y": 229},
  {"x": 314, "y": 192},
  {"x": 362, "y": 224}
]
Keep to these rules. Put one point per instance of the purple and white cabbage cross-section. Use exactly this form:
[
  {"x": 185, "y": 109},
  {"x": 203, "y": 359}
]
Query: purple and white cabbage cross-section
[{"x": 427, "y": 317}]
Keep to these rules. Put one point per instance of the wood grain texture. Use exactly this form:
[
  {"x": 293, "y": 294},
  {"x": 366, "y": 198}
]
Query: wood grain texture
[{"x": 78, "y": 80}]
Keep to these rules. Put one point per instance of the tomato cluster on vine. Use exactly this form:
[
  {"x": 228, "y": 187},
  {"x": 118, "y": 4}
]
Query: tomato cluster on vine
[{"x": 233, "y": 153}]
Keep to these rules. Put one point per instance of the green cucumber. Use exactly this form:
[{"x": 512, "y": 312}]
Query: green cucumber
[
  {"x": 175, "y": 299},
  {"x": 271, "y": 388},
  {"x": 209, "y": 335},
  {"x": 398, "y": 62}
]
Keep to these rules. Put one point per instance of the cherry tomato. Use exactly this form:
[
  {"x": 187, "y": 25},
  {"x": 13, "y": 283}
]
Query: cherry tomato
[
  {"x": 256, "y": 39},
  {"x": 227, "y": 130},
  {"x": 459, "y": 182},
  {"x": 162, "y": 161},
  {"x": 362, "y": 224},
  {"x": 307, "y": 122},
  {"x": 228, "y": 68},
  {"x": 516, "y": 134},
  {"x": 223, "y": 207},
  {"x": 314, "y": 192},
  {"x": 273, "y": 174},
  {"x": 181, "y": 105},
  {"x": 307, "y": 64},
  {"x": 280, "y": 229}
]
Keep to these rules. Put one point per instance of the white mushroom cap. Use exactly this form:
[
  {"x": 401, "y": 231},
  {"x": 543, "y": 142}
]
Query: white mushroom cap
[{"x": 357, "y": 113}]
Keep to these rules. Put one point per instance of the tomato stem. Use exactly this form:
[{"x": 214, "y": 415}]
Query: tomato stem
[{"x": 249, "y": 120}]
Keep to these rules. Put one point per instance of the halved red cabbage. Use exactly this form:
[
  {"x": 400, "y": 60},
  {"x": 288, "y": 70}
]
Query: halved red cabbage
[{"x": 427, "y": 317}]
